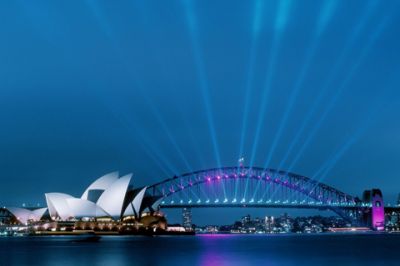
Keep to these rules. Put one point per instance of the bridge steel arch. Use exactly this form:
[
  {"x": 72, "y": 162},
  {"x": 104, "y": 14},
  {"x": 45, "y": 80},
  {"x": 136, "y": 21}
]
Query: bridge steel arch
[{"x": 251, "y": 187}]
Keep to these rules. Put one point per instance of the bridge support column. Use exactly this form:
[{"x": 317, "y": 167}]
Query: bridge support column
[{"x": 377, "y": 213}]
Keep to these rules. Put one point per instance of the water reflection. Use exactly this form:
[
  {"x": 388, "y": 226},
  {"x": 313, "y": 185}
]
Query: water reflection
[{"x": 207, "y": 250}]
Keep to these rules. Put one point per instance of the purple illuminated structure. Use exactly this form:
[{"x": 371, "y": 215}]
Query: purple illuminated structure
[
  {"x": 255, "y": 186},
  {"x": 378, "y": 211},
  {"x": 376, "y": 215},
  {"x": 245, "y": 186}
]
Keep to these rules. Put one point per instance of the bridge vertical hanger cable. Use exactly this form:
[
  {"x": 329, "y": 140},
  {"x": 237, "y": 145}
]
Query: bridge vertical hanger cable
[{"x": 291, "y": 186}]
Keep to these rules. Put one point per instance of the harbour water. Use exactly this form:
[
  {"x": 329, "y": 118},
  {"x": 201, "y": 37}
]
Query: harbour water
[{"x": 208, "y": 250}]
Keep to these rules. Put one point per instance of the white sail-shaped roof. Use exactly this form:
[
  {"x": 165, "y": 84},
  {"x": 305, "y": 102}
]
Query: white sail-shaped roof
[
  {"x": 24, "y": 215},
  {"x": 38, "y": 213},
  {"x": 134, "y": 207},
  {"x": 102, "y": 183},
  {"x": 85, "y": 208},
  {"x": 58, "y": 206},
  {"x": 137, "y": 201},
  {"x": 113, "y": 197},
  {"x": 129, "y": 210}
]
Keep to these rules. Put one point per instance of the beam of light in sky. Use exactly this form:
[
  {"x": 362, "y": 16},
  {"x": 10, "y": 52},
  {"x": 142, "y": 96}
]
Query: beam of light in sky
[
  {"x": 284, "y": 7},
  {"x": 280, "y": 23},
  {"x": 328, "y": 10},
  {"x": 148, "y": 148},
  {"x": 195, "y": 146},
  {"x": 374, "y": 36},
  {"x": 202, "y": 76},
  {"x": 93, "y": 6},
  {"x": 144, "y": 18},
  {"x": 326, "y": 14},
  {"x": 109, "y": 33},
  {"x": 67, "y": 96},
  {"x": 282, "y": 19},
  {"x": 148, "y": 145},
  {"x": 201, "y": 73},
  {"x": 372, "y": 114},
  {"x": 250, "y": 70},
  {"x": 250, "y": 74},
  {"x": 323, "y": 91},
  {"x": 289, "y": 104},
  {"x": 168, "y": 133}
]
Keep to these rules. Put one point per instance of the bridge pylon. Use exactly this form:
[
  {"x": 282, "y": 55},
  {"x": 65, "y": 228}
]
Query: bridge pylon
[{"x": 374, "y": 213}]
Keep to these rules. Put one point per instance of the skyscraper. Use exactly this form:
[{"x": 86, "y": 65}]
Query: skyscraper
[{"x": 187, "y": 218}]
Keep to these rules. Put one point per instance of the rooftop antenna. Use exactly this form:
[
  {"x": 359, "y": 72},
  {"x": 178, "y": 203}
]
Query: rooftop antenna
[{"x": 241, "y": 161}]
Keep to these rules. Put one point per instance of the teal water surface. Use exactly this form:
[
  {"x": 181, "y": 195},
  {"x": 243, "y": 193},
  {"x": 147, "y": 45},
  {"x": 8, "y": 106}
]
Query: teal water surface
[{"x": 323, "y": 249}]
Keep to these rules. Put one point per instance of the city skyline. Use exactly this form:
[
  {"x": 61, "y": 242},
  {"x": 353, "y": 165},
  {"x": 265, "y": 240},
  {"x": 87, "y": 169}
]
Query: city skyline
[
  {"x": 199, "y": 132},
  {"x": 95, "y": 87}
]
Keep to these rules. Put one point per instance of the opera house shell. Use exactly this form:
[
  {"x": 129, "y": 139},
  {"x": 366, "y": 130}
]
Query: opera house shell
[
  {"x": 110, "y": 196},
  {"x": 24, "y": 215}
]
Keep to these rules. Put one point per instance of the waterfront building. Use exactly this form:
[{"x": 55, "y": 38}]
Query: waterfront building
[
  {"x": 110, "y": 197},
  {"x": 24, "y": 215},
  {"x": 246, "y": 219},
  {"x": 5, "y": 216}
]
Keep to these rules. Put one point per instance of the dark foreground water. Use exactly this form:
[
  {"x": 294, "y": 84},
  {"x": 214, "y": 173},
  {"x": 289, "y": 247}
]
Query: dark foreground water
[{"x": 337, "y": 249}]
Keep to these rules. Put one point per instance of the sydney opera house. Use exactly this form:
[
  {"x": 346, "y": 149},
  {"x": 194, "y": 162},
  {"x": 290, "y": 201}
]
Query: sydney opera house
[{"x": 110, "y": 197}]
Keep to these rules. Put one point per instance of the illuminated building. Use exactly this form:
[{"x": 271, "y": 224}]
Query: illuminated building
[
  {"x": 110, "y": 197},
  {"x": 187, "y": 218}
]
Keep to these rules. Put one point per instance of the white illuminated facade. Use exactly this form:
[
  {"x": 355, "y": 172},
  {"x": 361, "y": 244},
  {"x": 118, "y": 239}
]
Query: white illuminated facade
[
  {"x": 110, "y": 196},
  {"x": 25, "y": 215}
]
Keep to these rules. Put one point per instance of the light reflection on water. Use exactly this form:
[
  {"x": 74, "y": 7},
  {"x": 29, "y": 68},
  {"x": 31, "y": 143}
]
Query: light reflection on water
[{"x": 208, "y": 250}]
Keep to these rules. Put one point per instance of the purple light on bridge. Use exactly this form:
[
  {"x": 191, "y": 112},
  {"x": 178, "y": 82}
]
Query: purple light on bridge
[
  {"x": 378, "y": 210},
  {"x": 218, "y": 177},
  {"x": 208, "y": 179}
]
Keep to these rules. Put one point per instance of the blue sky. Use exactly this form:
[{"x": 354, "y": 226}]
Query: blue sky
[{"x": 160, "y": 88}]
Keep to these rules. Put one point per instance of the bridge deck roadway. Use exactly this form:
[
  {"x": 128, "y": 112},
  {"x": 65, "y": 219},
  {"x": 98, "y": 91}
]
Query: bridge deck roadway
[{"x": 241, "y": 205}]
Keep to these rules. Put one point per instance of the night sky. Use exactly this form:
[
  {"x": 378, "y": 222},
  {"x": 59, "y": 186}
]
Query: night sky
[{"x": 160, "y": 88}]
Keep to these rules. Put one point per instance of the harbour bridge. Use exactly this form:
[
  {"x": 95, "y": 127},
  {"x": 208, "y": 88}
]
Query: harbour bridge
[{"x": 264, "y": 188}]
